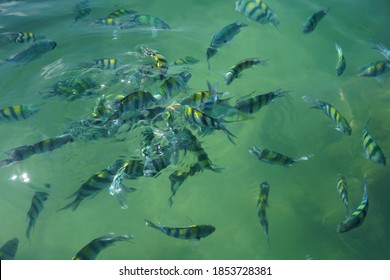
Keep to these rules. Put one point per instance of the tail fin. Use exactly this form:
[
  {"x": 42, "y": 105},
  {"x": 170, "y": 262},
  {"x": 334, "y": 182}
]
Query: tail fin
[
  {"x": 316, "y": 103},
  {"x": 149, "y": 223}
]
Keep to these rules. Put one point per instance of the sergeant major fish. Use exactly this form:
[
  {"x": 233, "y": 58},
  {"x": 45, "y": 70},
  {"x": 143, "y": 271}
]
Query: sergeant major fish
[
  {"x": 275, "y": 157},
  {"x": 93, "y": 248},
  {"x": 17, "y": 112},
  {"x": 253, "y": 104},
  {"x": 258, "y": 11},
  {"x": 33, "y": 52},
  {"x": 35, "y": 209},
  {"x": 342, "y": 124},
  {"x": 358, "y": 216},
  {"x": 262, "y": 204},
  {"x": 342, "y": 189},
  {"x": 188, "y": 232},
  {"x": 311, "y": 22},
  {"x": 8, "y": 250},
  {"x": 375, "y": 69},
  {"x": 234, "y": 72},
  {"x": 340, "y": 66},
  {"x": 372, "y": 149}
]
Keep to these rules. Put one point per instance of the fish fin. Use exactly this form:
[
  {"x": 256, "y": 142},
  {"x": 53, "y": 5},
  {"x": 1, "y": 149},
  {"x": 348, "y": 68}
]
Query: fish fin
[
  {"x": 154, "y": 32},
  {"x": 149, "y": 223},
  {"x": 316, "y": 103},
  {"x": 379, "y": 79},
  {"x": 74, "y": 204},
  {"x": 306, "y": 157}
]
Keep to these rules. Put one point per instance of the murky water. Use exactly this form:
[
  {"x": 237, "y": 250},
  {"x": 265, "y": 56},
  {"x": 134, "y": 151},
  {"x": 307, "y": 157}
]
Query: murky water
[{"x": 304, "y": 206}]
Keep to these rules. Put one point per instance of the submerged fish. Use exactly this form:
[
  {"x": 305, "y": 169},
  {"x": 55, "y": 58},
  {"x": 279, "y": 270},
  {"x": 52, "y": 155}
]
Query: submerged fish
[
  {"x": 185, "y": 60},
  {"x": 253, "y": 104},
  {"x": 17, "y": 112},
  {"x": 174, "y": 85},
  {"x": 36, "y": 207},
  {"x": 81, "y": 9},
  {"x": 275, "y": 157},
  {"x": 342, "y": 189},
  {"x": 135, "y": 100},
  {"x": 121, "y": 12},
  {"x": 342, "y": 124},
  {"x": 144, "y": 20},
  {"x": 21, "y": 37},
  {"x": 188, "y": 232},
  {"x": 33, "y": 52},
  {"x": 372, "y": 149},
  {"x": 93, "y": 248},
  {"x": 258, "y": 11},
  {"x": 358, "y": 216},
  {"x": 375, "y": 69},
  {"x": 234, "y": 72},
  {"x": 311, "y": 22},
  {"x": 8, "y": 250},
  {"x": 340, "y": 66},
  {"x": 262, "y": 204}
]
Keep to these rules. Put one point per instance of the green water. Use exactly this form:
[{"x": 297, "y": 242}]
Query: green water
[{"x": 304, "y": 206}]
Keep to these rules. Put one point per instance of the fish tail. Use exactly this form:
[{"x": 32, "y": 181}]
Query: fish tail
[
  {"x": 316, "y": 104},
  {"x": 306, "y": 157},
  {"x": 74, "y": 204},
  {"x": 124, "y": 237},
  {"x": 149, "y": 223}
]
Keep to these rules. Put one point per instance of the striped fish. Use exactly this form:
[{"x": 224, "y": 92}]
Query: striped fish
[
  {"x": 94, "y": 185},
  {"x": 262, "y": 204},
  {"x": 135, "y": 100},
  {"x": 153, "y": 166},
  {"x": 342, "y": 189},
  {"x": 36, "y": 207},
  {"x": 174, "y": 85},
  {"x": 121, "y": 12},
  {"x": 258, "y": 11},
  {"x": 109, "y": 21},
  {"x": 358, "y": 216},
  {"x": 144, "y": 20},
  {"x": 205, "y": 121},
  {"x": 235, "y": 71},
  {"x": 189, "y": 232},
  {"x": 375, "y": 69},
  {"x": 253, "y": 104},
  {"x": 275, "y": 157},
  {"x": 342, "y": 124},
  {"x": 311, "y": 22},
  {"x": 17, "y": 112},
  {"x": 106, "y": 63},
  {"x": 23, "y": 37},
  {"x": 8, "y": 250},
  {"x": 185, "y": 61},
  {"x": 340, "y": 66},
  {"x": 93, "y": 248},
  {"x": 372, "y": 149}
]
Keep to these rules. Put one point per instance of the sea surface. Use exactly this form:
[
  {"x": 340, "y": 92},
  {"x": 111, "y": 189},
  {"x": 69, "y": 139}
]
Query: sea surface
[{"x": 304, "y": 206}]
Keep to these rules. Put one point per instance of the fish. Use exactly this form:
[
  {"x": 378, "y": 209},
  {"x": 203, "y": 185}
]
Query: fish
[
  {"x": 258, "y": 11},
  {"x": 73, "y": 88},
  {"x": 8, "y": 250},
  {"x": 262, "y": 204},
  {"x": 234, "y": 71},
  {"x": 340, "y": 66},
  {"x": 93, "y": 248},
  {"x": 33, "y": 52},
  {"x": 22, "y": 37},
  {"x": 135, "y": 100},
  {"x": 144, "y": 20},
  {"x": 188, "y": 232},
  {"x": 36, "y": 207},
  {"x": 375, "y": 69},
  {"x": 383, "y": 50},
  {"x": 154, "y": 165},
  {"x": 175, "y": 84},
  {"x": 223, "y": 36},
  {"x": 17, "y": 112},
  {"x": 100, "y": 109},
  {"x": 342, "y": 124},
  {"x": 185, "y": 60},
  {"x": 357, "y": 217},
  {"x": 311, "y": 22},
  {"x": 205, "y": 121},
  {"x": 160, "y": 60},
  {"x": 81, "y": 9},
  {"x": 273, "y": 157},
  {"x": 372, "y": 149},
  {"x": 342, "y": 189},
  {"x": 109, "y": 21},
  {"x": 94, "y": 184},
  {"x": 253, "y": 104},
  {"x": 106, "y": 63}
]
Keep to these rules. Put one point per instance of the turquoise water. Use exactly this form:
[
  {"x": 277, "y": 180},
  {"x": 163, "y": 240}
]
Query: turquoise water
[{"x": 304, "y": 206}]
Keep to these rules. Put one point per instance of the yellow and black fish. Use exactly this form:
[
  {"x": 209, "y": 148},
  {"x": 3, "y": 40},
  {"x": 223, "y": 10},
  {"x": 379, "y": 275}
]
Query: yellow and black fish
[
  {"x": 188, "y": 232},
  {"x": 144, "y": 20},
  {"x": 93, "y": 248},
  {"x": 275, "y": 157},
  {"x": 109, "y": 21},
  {"x": 372, "y": 149},
  {"x": 358, "y": 216},
  {"x": 121, "y": 12},
  {"x": 311, "y": 22},
  {"x": 253, "y": 104},
  {"x": 262, "y": 204},
  {"x": 234, "y": 72},
  {"x": 341, "y": 64},
  {"x": 258, "y": 11},
  {"x": 174, "y": 85},
  {"x": 22, "y": 37},
  {"x": 135, "y": 100},
  {"x": 375, "y": 69},
  {"x": 185, "y": 61},
  {"x": 342, "y": 124},
  {"x": 17, "y": 112},
  {"x": 342, "y": 189},
  {"x": 36, "y": 207}
]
